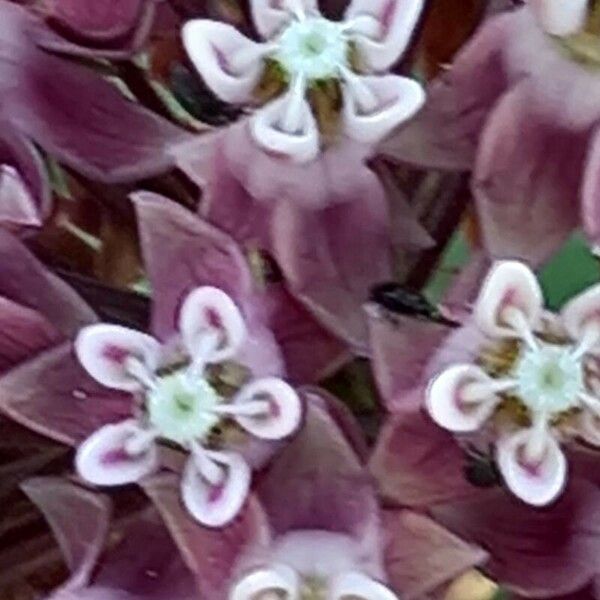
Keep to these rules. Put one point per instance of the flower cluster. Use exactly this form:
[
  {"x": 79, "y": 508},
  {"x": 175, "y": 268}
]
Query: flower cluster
[{"x": 210, "y": 222}]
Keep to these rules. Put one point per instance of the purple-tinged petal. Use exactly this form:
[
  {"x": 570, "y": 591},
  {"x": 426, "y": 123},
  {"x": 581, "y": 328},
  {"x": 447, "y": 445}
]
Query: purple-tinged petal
[
  {"x": 421, "y": 556},
  {"x": 445, "y": 133},
  {"x": 182, "y": 253},
  {"x": 341, "y": 415},
  {"x": 55, "y": 397},
  {"x": 74, "y": 113},
  {"x": 320, "y": 472},
  {"x": 25, "y": 280},
  {"x": 309, "y": 350},
  {"x": 99, "y": 20},
  {"x": 590, "y": 209},
  {"x": 537, "y": 553},
  {"x": 417, "y": 464},
  {"x": 526, "y": 180},
  {"x": 332, "y": 258},
  {"x": 211, "y": 554},
  {"x": 25, "y": 195},
  {"x": 79, "y": 520},
  {"x": 23, "y": 334},
  {"x": 401, "y": 350}
]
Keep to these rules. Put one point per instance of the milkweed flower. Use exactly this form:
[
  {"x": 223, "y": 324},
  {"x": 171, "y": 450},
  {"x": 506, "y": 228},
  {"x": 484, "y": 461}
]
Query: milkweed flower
[
  {"x": 515, "y": 108},
  {"x": 314, "y": 527},
  {"x": 177, "y": 399},
  {"x": 306, "y": 49},
  {"x": 493, "y": 429}
]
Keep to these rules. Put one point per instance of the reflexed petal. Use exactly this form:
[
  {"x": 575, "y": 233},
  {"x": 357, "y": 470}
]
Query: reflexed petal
[
  {"x": 103, "y": 460},
  {"x": 79, "y": 520},
  {"x": 99, "y": 20},
  {"x": 400, "y": 352},
  {"x": 202, "y": 256},
  {"x": 215, "y": 48},
  {"x": 104, "y": 351},
  {"x": 535, "y": 553},
  {"x": 581, "y": 312},
  {"x": 357, "y": 585},
  {"x": 398, "y": 99},
  {"x": 446, "y": 406},
  {"x": 209, "y": 309},
  {"x": 211, "y": 554},
  {"x": 510, "y": 284},
  {"x": 320, "y": 472},
  {"x": 445, "y": 134},
  {"x": 300, "y": 145},
  {"x": 270, "y": 16},
  {"x": 216, "y": 506},
  {"x": 421, "y": 555},
  {"x": 279, "y": 579},
  {"x": 285, "y": 408},
  {"x": 527, "y": 176},
  {"x": 418, "y": 464},
  {"x": 395, "y": 20},
  {"x": 560, "y": 17},
  {"x": 536, "y": 484}
]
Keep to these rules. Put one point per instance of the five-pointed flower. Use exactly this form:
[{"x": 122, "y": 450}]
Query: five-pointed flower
[
  {"x": 181, "y": 397},
  {"x": 308, "y": 52},
  {"x": 533, "y": 382}
]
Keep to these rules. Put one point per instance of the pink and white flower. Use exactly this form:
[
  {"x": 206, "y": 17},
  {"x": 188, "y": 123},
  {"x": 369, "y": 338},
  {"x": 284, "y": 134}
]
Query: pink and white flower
[
  {"x": 180, "y": 399},
  {"x": 307, "y": 49},
  {"x": 533, "y": 382}
]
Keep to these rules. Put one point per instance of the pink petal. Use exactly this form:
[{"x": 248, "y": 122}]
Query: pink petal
[
  {"x": 321, "y": 473},
  {"x": 26, "y": 281},
  {"x": 418, "y": 464},
  {"x": 201, "y": 256},
  {"x": 396, "y": 20},
  {"x": 536, "y": 553},
  {"x": 560, "y": 18},
  {"x": 509, "y": 284},
  {"x": 285, "y": 412},
  {"x": 527, "y": 178},
  {"x": 539, "y": 483},
  {"x": 212, "y": 555},
  {"x": 590, "y": 190},
  {"x": 216, "y": 506},
  {"x": 100, "y": 21},
  {"x": 399, "y": 98},
  {"x": 23, "y": 334},
  {"x": 25, "y": 196},
  {"x": 75, "y": 114},
  {"x": 270, "y": 16},
  {"x": 104, "y": 351},
  {"x": 79, "y": 520},
  {"x": 445, "y": 134},
  {"x": 55, "y": 397},
  {"x": 102, "y": 459},
  {"x": 309, "y": 351},
  {"x": 332, "y": 258},
  {"x": 421, "y": 556},
  {"x": 215, "y": 48},
  {"x": 400, "y": 351},
  {"x": 209, "y": 309}
]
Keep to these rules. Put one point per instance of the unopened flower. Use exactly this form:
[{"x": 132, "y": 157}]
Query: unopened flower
[
  {"x": 338, "y": 64},
  {"x": 177, "y": 399}
]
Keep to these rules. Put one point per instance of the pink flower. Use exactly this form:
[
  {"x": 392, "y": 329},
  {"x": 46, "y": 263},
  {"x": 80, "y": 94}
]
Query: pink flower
[
  {"x": 314, "y": 525},
  {"x": 516, "y": 108},
  {"x": 496, "y": 402}
]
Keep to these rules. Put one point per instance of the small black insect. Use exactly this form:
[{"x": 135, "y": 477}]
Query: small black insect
[
  {"x": 480, "y": 468},
  {"x": 399, "y": 300}
]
